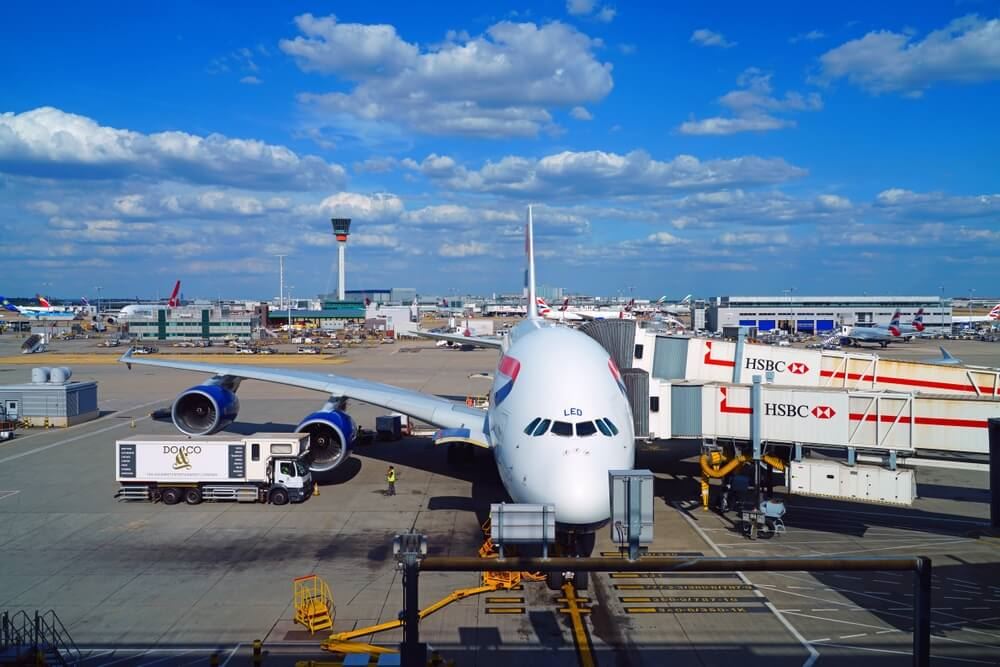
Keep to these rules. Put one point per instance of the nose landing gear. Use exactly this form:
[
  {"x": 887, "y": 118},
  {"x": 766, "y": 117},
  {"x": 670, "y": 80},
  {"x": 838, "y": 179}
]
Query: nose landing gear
[{"x": 572, "y": 545}]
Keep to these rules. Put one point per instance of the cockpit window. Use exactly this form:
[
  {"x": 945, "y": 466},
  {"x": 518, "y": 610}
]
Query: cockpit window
[
  {"x": 562, "y": 428},
  {"x": 611, "y": 425},
  {"x": 585, "y": 428},
  {"x": 542, "y": 427},
  {"x": 530, "y": 428},
  {"x": 604, "y": 427}
]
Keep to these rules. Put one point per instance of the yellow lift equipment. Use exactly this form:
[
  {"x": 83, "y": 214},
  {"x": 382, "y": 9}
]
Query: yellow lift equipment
[{"x": 313, "y": 603}]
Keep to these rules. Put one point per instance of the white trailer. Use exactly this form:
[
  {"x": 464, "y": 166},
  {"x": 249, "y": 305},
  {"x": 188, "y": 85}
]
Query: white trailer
[{"x": 266, "y": 467}]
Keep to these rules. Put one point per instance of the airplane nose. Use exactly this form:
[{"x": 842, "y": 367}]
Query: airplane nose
[{"x": 582, "y": 496}]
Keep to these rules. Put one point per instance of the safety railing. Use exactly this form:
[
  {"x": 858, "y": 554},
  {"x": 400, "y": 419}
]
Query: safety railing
[
  {"x": 41, "y": 633},
  {"x": 413, "y": 652}
]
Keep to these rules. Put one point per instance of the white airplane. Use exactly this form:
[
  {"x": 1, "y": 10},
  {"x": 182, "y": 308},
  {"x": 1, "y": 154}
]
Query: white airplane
[
  {"x": 682, "y": 306},
  {"x": 44, "y": 311},
  {"x": 149, "y": 309},
  {"x": 876, "y": 334},
  {"x": 557, "y": 422}
]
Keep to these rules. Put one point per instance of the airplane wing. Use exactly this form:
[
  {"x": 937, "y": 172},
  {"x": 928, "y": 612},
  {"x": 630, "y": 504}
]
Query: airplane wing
[
  {"x": 459, "y": 339},
  {"x": 455, "y": 418}
]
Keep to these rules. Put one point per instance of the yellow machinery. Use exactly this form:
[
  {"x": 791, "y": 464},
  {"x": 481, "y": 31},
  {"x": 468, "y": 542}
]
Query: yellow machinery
[
  {"x": 716, "y": 465},
  {"x": 313, "y": 603}
]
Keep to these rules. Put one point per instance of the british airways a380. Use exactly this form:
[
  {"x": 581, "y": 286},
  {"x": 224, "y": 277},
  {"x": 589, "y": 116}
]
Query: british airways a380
[{"x": 557, "y": 422}]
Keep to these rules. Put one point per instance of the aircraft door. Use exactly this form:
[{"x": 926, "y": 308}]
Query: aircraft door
[{"x": 12, "y": 408}]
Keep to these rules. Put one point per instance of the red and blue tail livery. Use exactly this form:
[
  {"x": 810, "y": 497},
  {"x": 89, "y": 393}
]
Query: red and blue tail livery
[{"x": 508, "y": 368}]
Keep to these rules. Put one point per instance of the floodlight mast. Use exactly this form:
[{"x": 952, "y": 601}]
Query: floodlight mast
[{"x": 341, "y": 229}]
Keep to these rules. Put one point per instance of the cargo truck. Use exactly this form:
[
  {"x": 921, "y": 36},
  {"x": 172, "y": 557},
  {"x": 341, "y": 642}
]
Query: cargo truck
[{"x": 266, "y": 467}]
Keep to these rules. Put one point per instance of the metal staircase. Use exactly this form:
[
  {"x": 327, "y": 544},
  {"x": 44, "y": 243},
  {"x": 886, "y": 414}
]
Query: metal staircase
[{"x": 36, "y": 639}]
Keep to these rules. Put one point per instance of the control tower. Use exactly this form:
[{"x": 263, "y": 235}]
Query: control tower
[{"x": 341, "y": 228}]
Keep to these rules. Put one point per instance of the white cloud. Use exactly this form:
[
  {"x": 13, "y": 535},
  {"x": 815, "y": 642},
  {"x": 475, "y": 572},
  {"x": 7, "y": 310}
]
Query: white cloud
[
  {"x": 606, "y": 14},
  {"x": 451, "y": 215},
  {"x": 580, "y": 7},
  {"x": 50, "y": 142},
  {"x": 44, "y": 207},
  {"x": 598, "y": 173},
  {"x": 753, "y": 107},
  {"x": 353, "y": 205},
  {"x": 469, "y": 249},
  {"x": 499, "y": 84},
  {"x": 663, "y": 238},
  {"x": 967, "y": 50},
  {"x": 900, "y": 203},
  {"x": 353, "y": 50},
  {"x": 810, "y": 36},
  {"x": 706, "y": 37},
  {"x": 252, "y": 80},
  {"x": 754, "y": 238},
  {"x": 580, "y": 113}
]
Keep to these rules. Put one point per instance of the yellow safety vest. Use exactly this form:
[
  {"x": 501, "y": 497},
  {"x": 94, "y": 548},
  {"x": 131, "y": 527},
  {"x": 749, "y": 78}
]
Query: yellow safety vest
[{"x": 391, "y": 477}]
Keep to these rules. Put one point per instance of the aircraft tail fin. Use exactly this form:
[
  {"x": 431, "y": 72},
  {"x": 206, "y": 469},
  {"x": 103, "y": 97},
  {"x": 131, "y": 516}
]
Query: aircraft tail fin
[
  {"x": 894, "y": 322},
  {"x": 918, "y": 320},
  {"x": 174, "y": 301},
  {"x": 7, "y": 305},
  {"x": 43, "y": 301},
  {"x": 686, "y": 299},
  {"x": 995, "y": 313},
  {"x": 529, "y": 273}
]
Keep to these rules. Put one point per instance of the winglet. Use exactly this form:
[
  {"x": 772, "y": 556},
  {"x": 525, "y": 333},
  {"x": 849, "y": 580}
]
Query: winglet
[
  {"x": 529, "y": 275},
  {"x": 946, "y": 355},
  {"x": 127, "y": 358}
]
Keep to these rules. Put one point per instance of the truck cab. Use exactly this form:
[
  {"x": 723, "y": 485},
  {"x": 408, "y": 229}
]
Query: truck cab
[{"x": 290, "y": 480}]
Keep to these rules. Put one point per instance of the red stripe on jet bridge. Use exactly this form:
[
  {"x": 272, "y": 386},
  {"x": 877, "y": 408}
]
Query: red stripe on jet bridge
[
  {"x": 922, "y": 421},
  {"x": 709, "y": 361},
  {"x": 731, "y": 409},
  {"x": 509, "y": 366},
  {"x": 908, "y": 382}
]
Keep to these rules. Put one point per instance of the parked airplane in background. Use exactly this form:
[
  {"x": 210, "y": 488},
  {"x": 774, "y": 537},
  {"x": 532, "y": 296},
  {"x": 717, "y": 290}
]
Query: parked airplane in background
[
  {"x": 993, "y": 317},
  {"x": 44, "y": 311},
  {"x": 565, "y": 312},
  {"x": 149, "y": 309},
  {"x": 682, "y": 306},
  {"x": 915, "y": 328},
  {"x": 557, "y": 422},
  {"x": 876, "y": 334}
]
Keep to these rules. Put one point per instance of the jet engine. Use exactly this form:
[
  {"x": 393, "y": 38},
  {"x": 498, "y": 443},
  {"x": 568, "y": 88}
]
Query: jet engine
[
  {"x": 207, "y": 408},
  {"x": 332, "y": 434}
]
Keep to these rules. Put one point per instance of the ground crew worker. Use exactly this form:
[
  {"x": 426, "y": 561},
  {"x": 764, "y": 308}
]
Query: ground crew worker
[{"x": 390, "y": 477}]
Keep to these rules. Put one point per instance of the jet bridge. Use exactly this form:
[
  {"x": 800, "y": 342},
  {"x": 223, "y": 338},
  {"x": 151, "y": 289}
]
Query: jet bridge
[{"x": 860, "y": 405}]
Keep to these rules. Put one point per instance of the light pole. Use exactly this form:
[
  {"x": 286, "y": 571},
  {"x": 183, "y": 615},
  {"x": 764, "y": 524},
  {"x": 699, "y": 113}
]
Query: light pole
[
  {"x": 281, "y": 280},
  {"x": 941, "y": 309},
  {"x": 98, "y": 288},
  {"x": 290, "y": 288},
  {"x": 971, "y": 292}
]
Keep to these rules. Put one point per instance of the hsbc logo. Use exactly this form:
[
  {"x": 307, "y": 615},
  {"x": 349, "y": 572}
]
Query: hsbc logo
[
  {"x": 823, "y": 412},
  {"x": 803, "y": 411},
  {"x": 795, "y": 367}
]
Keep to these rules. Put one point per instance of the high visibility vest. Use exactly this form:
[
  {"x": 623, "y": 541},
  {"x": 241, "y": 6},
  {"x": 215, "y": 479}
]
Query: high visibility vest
[{"x": 391, "y": 477}]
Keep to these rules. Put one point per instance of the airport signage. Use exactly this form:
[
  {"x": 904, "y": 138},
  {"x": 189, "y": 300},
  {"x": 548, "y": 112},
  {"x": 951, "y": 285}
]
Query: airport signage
[
  {"x": 798, "y": 410},
  {"x": 776, "y": 365}
]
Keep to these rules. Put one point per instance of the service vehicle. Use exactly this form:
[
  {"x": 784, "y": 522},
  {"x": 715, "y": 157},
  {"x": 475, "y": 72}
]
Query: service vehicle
[{"x": 266, "y": 467}]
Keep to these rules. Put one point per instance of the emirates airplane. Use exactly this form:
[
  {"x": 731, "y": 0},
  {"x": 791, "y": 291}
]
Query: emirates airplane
[{"x": 557, "y": 422}]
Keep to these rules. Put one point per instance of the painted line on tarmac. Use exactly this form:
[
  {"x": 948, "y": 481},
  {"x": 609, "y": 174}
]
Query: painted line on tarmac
[
  {"x": 113, "y": 413},
  {"x": 813, "y": 653},
  {"x": 81, "y": 436},
  {"x": 904, "y": 517}
]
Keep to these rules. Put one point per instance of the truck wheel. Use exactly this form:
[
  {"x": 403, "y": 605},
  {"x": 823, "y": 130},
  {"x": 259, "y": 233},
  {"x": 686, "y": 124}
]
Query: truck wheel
[
  {"x": 192, "y": 496},
  {"x": 581, "y": 580},
  {"x": 279, "y": 497},
  {"x": 171, "y": 496},
  {"x": 554, "y": 580}
]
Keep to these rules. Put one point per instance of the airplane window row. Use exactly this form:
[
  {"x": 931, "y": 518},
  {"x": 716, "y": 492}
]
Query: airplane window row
[{"x": 539, "y": 426}]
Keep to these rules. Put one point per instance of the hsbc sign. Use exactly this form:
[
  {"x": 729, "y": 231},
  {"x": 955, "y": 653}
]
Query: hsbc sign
[
  {"x": 798, "y": 410},
  {"x": 794, "y": 367}
]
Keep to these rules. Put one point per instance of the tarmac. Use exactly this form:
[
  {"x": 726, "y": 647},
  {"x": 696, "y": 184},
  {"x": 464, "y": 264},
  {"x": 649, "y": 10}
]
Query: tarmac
[{"x": 139, "y": 583}]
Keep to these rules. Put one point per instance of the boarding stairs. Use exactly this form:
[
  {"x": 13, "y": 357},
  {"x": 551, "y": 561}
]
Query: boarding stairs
[
  {"x": 39, "y": 638},
  {"x": 313, "y": 603}
]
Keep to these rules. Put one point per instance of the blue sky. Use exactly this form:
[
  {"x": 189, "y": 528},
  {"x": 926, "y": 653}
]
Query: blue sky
[{"x": 719, "y": 149}]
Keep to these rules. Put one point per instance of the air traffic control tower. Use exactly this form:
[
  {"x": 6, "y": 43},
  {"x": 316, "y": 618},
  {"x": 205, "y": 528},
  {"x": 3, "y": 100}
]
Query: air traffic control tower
[{"x": 341, "y": 228}]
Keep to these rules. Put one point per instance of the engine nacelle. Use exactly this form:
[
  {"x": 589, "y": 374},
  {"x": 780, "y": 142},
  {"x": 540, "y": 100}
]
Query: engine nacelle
[
  {"x": 331, "y": 438},
  {"x": 205, "y": 409}
]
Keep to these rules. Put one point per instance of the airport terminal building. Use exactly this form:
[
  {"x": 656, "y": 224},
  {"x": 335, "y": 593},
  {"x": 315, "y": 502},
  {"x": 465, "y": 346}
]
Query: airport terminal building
[{"x": 822, "y": 314}]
